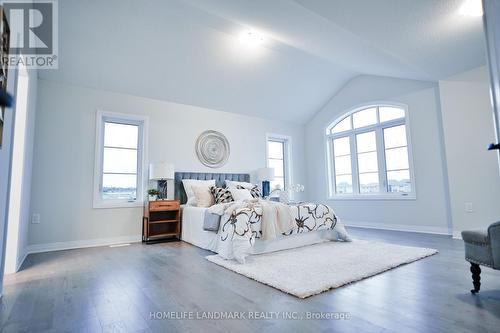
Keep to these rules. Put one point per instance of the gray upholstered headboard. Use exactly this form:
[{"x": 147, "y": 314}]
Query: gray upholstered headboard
[{"x": 180, "y": 194}]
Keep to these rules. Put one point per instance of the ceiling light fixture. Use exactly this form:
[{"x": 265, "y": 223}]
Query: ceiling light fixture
[
  {"x": 252, "y": 38},
  {"x": 471, "y": 8}
]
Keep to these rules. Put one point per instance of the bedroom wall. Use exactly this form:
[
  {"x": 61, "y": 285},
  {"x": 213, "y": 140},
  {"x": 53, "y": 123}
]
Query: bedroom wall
[
  {"x": 468, "y": 129},
  {"x": 64, "y": 158},
  {"x": 429, "y": 212}
]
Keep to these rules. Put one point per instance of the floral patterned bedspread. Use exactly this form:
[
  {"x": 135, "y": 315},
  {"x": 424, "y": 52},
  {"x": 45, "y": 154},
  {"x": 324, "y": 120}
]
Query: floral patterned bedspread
[{"x": 241, "y": 226}]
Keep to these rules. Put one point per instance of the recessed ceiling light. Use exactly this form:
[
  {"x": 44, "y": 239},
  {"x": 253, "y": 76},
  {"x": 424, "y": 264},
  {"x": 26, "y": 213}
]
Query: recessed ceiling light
[
  {"x": 252, "y": 38},
  {"x": 471, "y": 8}
]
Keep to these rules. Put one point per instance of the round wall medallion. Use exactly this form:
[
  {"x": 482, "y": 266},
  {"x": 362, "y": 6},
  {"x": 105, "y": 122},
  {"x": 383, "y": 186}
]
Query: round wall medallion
[{"x": 212, "y": 149}]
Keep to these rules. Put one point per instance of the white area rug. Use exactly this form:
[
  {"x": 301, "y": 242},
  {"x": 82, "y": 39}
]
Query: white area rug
[{"x": 311, "y": 270}]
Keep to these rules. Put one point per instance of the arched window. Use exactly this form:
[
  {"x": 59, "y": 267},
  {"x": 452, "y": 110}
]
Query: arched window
[{"x": 369, "y": 154}]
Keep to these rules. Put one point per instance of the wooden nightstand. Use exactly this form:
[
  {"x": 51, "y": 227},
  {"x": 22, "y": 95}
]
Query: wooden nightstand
[{"x": 162, "y": 220}]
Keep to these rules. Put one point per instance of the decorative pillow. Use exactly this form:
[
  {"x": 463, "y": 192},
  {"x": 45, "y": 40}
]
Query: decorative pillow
[
  {"x": 254, "y": 191},
  {"x": 203, "y": 195},
  {"x": 221, "y": 195},
  {"x": 240, "y": 194},
  {"x": 188, "y": 187},
  {"x": 234, "y": 184}
]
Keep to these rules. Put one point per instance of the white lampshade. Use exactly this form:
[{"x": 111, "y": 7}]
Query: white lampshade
[
  {"x": 265, "y": 173},
  {"x": 161, "y": 170}
]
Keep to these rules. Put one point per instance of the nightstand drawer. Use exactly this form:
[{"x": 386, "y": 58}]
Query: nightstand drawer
[{"x": 163, "y": 205}]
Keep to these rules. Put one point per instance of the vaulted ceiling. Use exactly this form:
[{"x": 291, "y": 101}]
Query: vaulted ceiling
[{"x": 190, "y": 51}]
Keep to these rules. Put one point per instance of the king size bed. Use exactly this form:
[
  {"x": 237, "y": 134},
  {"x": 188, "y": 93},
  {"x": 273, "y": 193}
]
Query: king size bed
[{"x": 238, "y": 228}]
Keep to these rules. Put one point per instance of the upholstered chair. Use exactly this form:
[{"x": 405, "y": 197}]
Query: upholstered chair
[{"x": 482, "y": 248}]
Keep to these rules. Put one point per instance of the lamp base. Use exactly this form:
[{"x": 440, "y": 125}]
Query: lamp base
[
  {"x": 266, "y": 188},
  {"x": 162, "y": 188}
]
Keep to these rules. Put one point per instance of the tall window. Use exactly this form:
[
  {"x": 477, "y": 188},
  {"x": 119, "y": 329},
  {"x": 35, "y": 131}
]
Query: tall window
[
  {"x": 119, "y": 160},
  {"x": 278, "y": 158},
  {"x": 368, "y": 154}
]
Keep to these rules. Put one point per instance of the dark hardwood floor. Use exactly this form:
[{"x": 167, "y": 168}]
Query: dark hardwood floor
[{"x": 118, "y": 289}]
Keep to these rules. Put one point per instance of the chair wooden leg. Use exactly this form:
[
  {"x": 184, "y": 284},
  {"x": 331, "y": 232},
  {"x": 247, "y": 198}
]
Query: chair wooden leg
[{"x": 476, "y": 277}]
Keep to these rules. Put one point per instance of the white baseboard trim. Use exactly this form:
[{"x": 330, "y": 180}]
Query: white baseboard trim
[
  {"x": 78, "y": 244},
  {"x": 457, "y": 235},
  {"x": 399, "y": 227}
]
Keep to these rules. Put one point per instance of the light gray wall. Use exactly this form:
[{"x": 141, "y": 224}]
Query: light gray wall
[
  {"x": 468, "y": 129},
  {"x": 63, "y": 166},
  {"x": 429, "y": 211}
]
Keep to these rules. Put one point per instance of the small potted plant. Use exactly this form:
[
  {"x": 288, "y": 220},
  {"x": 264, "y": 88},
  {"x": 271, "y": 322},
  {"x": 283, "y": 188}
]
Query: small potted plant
[{"x": 153, "y": 194}]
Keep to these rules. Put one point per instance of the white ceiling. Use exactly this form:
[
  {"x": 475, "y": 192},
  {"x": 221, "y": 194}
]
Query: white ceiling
[{"x": 189, "y": 51}]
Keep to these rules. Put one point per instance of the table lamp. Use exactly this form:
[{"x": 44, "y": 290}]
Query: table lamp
[
  {"x": 265, "y": 175},
  {"x": 162, "y": 172}
]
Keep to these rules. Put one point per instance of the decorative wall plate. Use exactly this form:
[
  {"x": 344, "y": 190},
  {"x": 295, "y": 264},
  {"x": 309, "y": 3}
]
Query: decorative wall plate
[{"x": 212, "y": 149}]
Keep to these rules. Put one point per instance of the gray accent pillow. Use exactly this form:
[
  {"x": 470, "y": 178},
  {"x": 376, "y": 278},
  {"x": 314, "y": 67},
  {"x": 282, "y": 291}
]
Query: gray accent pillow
[{"x": 211, "y": 222}]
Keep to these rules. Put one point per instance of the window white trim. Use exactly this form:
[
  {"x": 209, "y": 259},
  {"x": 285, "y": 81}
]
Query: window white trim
[
  {"x": 378, "y": 128},
  {"x": 142, "y": 122},
  {"x": 287, "y": 152}
]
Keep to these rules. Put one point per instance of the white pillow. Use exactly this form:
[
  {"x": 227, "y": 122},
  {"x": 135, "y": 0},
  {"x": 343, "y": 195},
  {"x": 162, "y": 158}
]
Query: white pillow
[
  {"x": 204, "y": 197},
  {"x": 188, "y": 187},
  {"x": 240, "y": 195},
  {"x": 233, "y": 184}
]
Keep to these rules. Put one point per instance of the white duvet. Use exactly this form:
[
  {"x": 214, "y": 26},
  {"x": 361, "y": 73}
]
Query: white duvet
[{"x": 243, "y": 222}]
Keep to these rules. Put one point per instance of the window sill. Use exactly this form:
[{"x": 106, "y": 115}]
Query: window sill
[
  {"x": 368, "y": 197},
  {"x": 117, "y": 204}
]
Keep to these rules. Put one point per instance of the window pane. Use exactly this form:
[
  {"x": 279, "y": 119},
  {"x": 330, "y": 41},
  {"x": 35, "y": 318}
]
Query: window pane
[
  {"x": 366, "y": 142},
  {"x": 343, "y": 125},
  {"x": 120, "y": 160},
  {"x": 275, "y": 149},
  {"x": 387, "y": 113},
  {"x": 368, "y": 182},
  {"x": 399, "y": 181},
  {"x": 395, "y": 136},
  {"x": 276, "y": 160},
  {"x": 278, "y": 167},
  {"x": 341, "y": 146},
  {"x": 343, "y": 184},
  {"x": 364, "y": 118},
  {"x": 119, "y": 186},
  {"x": 396, "y": 158},
  {"x": 367, "y": 162},
  {"x": 120, "y": 135},
  {"x": 343, "y": 165}
]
